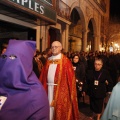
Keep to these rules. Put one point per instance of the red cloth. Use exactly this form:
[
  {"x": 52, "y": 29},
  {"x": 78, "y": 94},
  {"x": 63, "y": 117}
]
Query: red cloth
[{"x": 65, "y": 97}]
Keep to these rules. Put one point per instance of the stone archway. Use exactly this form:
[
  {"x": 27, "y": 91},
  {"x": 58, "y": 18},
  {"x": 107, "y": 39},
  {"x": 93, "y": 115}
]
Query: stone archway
[
  {"x": 91, "y": 35},
  {"x": 76, "y": 30}
]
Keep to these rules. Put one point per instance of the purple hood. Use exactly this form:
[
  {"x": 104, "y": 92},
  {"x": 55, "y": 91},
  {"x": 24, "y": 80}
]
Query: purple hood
[{"x": 26, "y": 98}]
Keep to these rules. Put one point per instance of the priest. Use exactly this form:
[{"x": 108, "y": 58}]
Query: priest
[{"x": 58, "y": 79}]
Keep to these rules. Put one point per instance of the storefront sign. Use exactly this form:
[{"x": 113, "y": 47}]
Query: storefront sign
[
  {"x": 37, "y": 7},
  {"x": 47, "y": 1}
]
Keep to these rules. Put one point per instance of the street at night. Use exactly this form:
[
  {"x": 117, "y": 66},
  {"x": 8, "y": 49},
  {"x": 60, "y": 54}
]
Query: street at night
[{"x": 84, "y": 108}]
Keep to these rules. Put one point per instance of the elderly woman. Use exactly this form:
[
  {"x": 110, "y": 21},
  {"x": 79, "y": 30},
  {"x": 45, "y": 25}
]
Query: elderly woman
[{"x": 97, "y": 87}]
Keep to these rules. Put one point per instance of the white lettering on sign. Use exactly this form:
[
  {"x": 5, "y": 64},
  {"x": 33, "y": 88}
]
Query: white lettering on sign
[
  {"x": 36, "y": 7},
  {"x": 31, "y": 5},
  {"x": 41, "y": 9},
  {"x": 24, "y": 1},
  {"x": 18, "y": 1}
]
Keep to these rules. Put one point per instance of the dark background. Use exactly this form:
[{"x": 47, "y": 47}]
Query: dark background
[{"x": 115, "y": 9}]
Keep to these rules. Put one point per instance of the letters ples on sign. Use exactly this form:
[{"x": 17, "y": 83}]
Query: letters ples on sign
[{"x": 31, "y": 4}]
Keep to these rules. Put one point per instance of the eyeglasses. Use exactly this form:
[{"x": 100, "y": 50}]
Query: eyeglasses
[
  {"x": 55, "y": 47},
  {"x": 98, "y": 64}
]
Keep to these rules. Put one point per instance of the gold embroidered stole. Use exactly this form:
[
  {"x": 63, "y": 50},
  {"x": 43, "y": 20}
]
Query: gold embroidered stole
[{"x": 55, "y": 61}]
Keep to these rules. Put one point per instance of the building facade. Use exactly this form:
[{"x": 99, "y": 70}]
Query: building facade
[
  {"x": 88, "y": 31},
  {"x": 24, "y": 20},
  {"x": 80, "y": 25}
]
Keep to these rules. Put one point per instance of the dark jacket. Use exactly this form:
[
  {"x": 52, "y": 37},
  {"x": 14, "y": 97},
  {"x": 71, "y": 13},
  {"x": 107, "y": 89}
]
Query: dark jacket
[
  {"x": 35, "y": 68},
  {"x": 79, "y": 71},
  {"x": 98, "y": 90}
]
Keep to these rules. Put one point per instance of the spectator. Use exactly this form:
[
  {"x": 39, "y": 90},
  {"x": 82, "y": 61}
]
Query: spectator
[
  {"x": 48, "y": 51},
  {"x": 43, "y": 57},
  {"x": 79, "y": 69},
  {"x": 4, "y": 47},
  {"x": 37, "y": 64}
]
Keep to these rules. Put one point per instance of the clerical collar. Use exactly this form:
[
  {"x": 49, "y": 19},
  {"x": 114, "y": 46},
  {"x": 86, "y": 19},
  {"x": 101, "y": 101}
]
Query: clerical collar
[{"x": 56, "y": 57}]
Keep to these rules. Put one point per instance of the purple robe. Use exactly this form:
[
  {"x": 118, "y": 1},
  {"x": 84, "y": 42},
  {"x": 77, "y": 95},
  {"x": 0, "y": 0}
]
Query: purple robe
[{"x": 25, "y": 96}]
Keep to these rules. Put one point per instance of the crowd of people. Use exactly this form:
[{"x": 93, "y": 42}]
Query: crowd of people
[
  {"x": 66, "y": 78},
  {"x": 96, "y": 73}
]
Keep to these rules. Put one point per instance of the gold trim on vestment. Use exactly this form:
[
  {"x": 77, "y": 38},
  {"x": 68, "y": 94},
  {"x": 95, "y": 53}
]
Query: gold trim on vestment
[{"x": 55, "y": 61}]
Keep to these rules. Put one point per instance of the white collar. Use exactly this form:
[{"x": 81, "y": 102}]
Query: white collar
[{"x": 55, "y": 57}]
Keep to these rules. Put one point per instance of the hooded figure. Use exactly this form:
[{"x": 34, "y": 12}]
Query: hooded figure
[
  {"x": 112, "y": 110},
  {"x": 22, "y": 96}
]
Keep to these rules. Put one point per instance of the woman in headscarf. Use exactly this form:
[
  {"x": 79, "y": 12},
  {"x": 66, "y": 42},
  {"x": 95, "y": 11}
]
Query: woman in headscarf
[{"x": 79, "y": 69}]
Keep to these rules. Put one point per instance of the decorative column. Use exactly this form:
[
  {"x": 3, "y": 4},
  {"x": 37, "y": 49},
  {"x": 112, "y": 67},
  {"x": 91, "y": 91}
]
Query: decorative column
[
  {"x": 42, "y": 34},
  {"x": 38, "y": 37},
  {"x": 84, "y": 40},
  {"x": 63, "y": 38},
  {"x": 95, "y": 43},
  {"x": 47, "y": 37},
  {"x": 98, "y": 42},
  {"x": 66, "y": 37},
  {"x": 99, "y": 33},
  {"x": 65, "y": 32}
]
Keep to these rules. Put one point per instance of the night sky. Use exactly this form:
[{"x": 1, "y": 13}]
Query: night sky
[{"x": 115, "y": 8}]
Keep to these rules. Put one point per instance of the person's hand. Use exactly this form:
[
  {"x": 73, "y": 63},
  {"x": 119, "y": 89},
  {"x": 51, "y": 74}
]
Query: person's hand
[
  {"x": 76, "y": 80},
  {"x": 109, "y": 93},
  {"x": 83, "y": 93}
]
